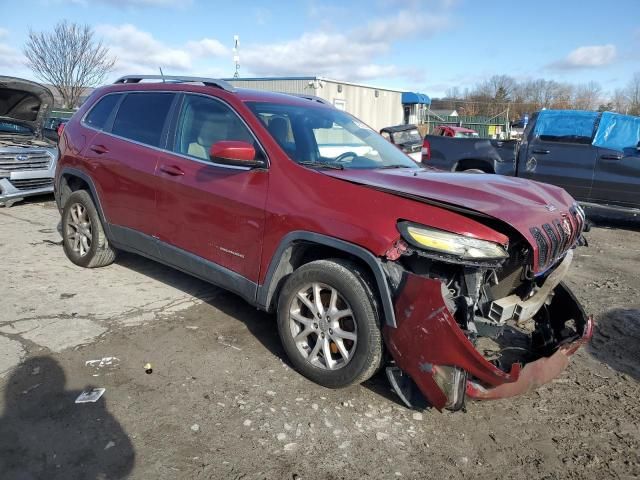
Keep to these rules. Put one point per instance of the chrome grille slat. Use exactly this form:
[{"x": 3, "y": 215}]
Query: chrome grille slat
[
  {"x": 543, "y": 248},
  {"x": 564, "y": 238},
  {"x": 552, "y": 239},
  {"x": 555, "y": 242},
  {"x": 34, "y": 161},
  {"x": 32, "y": 183}
]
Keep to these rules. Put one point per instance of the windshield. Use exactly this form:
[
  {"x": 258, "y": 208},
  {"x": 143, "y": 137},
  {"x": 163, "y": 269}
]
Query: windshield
[
  {"x": 327, "y": 136},
  {"x": 466, "y": 134},
  {"x": 14, "y": 128},
  {"x": 407, "y": 136}
]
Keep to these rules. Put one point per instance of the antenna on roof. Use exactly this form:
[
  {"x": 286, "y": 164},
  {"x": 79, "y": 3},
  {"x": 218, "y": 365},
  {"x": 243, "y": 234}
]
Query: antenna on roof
[
  {"x": 236, "y": 55},
  {"x": 161, "y": 74}
]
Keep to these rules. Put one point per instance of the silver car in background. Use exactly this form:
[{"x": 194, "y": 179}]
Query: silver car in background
[{"x": 27, "y": 158}]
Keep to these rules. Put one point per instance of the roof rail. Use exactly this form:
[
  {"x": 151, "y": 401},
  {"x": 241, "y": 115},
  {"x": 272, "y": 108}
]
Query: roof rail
[
  {"x": 313, "y": 98},
  {"x": 209, "y": 82}
]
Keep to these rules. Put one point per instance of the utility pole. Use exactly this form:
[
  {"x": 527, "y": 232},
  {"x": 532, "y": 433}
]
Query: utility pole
[{"x": 236, "y": 55}]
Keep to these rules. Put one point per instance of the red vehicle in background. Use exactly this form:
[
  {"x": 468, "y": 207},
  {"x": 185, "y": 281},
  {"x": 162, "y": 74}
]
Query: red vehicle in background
[
  {"x": 452, "y": 283},
  {"x": 456, "y": 132}
]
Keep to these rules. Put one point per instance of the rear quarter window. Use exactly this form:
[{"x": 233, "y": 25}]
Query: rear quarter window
[
  {"x": 141, "y": 117},
  {"x": 101, "y": 111}
]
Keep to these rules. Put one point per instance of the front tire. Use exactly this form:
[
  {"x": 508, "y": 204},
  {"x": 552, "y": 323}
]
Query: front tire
[
  {"x": 83, "y": 237},
  {"x": 329, "y": 324}
]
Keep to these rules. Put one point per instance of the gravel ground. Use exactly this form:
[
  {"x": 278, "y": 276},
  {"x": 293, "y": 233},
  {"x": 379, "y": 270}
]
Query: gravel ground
[{"x": 222, "y": 402}]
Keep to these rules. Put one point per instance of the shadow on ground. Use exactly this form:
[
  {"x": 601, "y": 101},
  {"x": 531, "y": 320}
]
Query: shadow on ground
[
  {"x": 45, "y": 434},
  {"x": 261, "y": 325},
  {"x": 616, "y": 340}
]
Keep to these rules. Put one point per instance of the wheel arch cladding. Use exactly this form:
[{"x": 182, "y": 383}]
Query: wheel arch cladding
[
  {"x": 292, "y": 250},
  {"x": 73, "y": 176}
]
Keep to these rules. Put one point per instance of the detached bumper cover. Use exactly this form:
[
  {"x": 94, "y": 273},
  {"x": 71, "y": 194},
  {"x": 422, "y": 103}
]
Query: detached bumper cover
[{"x": 428, "y": 336}]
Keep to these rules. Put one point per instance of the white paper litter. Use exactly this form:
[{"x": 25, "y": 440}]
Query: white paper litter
[{"x": 90, "y": 395}]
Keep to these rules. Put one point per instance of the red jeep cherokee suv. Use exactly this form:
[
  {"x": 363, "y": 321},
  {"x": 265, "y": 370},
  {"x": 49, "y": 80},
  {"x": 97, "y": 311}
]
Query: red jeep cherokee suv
[{"x": 452, "y": 282}]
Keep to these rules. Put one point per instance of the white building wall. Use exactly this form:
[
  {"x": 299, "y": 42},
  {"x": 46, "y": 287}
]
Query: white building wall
[
  {"x": 376, "y": 110},
  {"x": 361, "y": 101}
]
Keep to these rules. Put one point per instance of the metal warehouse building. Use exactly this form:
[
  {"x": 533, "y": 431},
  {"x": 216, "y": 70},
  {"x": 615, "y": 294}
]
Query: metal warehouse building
[{"x": 376, "y": 106}]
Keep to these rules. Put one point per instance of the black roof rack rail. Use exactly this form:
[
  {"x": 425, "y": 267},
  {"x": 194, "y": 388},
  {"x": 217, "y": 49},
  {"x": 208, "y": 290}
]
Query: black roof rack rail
[
  {"x": 209, "y": 82},
  {"x": 313, "y": 98}
]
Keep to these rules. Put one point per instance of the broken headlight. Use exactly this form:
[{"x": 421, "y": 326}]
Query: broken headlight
[{"x": 448, "y": 243}]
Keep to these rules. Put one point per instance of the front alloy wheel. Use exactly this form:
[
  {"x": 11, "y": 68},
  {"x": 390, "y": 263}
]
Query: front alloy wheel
[
  {"x": 328, "y": 322},
  {"x": 323, "y": 327}
]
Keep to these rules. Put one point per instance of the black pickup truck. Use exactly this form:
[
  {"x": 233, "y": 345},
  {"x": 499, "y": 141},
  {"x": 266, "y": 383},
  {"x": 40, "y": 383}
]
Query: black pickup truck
[{"x": 594, "y": 156}]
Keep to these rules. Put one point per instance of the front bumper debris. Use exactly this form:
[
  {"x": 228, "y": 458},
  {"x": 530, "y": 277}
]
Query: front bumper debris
[{"x": 431, "y": 349}]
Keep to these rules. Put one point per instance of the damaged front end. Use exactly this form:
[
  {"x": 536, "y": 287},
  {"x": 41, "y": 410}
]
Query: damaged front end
[{"x": 485, "y": 327}]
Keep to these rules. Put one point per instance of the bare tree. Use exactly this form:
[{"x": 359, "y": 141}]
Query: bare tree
[
  {"x": 620, "y": 101},
  {"x": 632, "y": 92},
  {"x": 69, "y": 58},
  {"x": 587, "y": 96}
]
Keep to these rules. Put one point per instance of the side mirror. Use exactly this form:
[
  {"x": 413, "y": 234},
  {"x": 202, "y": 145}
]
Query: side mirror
[
  {"x": 638, "y": 147},
  {"x": 231, "y": 152}
]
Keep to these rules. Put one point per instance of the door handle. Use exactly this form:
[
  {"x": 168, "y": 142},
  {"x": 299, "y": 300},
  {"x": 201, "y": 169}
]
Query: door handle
[
  {"x": 99, "y": 149},
  {"x": 611, "y": 156},
  {"x": 171, "y": 170},
  {"x": 540, "y": 151}
]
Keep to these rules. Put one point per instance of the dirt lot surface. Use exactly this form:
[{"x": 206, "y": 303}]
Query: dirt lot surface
[{"x": 222, "y": 402}]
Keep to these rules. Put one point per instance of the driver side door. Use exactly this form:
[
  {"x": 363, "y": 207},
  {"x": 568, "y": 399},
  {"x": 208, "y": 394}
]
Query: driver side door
[{"x": 213, "y": 214}]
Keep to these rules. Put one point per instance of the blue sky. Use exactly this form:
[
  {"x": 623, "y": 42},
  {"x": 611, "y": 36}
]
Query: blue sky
[{"x": 424, "y": 45}]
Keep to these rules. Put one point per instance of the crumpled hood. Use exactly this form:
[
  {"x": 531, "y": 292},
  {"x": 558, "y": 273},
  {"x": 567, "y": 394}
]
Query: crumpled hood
[
  {"x": 522, "y": 204},
  {"x": 24, "y": 102}
]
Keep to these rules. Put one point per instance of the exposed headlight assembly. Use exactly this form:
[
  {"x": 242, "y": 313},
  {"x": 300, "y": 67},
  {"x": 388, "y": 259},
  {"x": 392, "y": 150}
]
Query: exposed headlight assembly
[{"x": 459, "y": 246}]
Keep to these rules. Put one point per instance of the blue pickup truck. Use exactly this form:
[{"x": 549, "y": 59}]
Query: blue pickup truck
[{"x": 594, "y": 156}]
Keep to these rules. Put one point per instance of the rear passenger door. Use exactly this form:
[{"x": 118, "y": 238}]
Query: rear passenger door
[
  {"x": 559, "y": 151},
  {"x": 212, "y": 214},
  {"x": 617, "y": 178},
  {"x": 124, "y": 157}
]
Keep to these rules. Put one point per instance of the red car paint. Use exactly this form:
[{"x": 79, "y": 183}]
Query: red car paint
[
  {"x": 505, "y": 198},
  {"x": 238, "y": 219},
  {"x": 449, "y": 131},
  {"x": 430, "y": 323}
]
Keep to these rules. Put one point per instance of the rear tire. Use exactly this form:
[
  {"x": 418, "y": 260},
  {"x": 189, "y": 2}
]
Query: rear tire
[
  {"x": 324, "y": 342},
  {"x": 83, "y": 237}
]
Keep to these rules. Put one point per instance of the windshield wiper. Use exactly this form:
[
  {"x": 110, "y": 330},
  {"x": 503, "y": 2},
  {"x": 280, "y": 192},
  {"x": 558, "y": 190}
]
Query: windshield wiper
[
  {"x": 322, "y": 165},
  {"x": 395, "y": 165}
]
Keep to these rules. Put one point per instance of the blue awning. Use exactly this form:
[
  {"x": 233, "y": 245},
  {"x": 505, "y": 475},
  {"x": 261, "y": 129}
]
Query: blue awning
[{"x": 411, "y": 98}]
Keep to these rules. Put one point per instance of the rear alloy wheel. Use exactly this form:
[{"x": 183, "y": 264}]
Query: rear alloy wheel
[
  {"x": 328, "y": 323},
  {"x": 83, "y": 237},
  {"x": 79, "y": 229}
]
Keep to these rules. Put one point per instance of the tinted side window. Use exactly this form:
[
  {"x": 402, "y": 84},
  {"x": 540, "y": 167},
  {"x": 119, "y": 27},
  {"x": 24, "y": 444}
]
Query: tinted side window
[
  {"x": 99, "y": 114},
  {"x": 204, "y": 121},
  {"x": 566, "y": 126},
  {"x": 141, "y": 117}
]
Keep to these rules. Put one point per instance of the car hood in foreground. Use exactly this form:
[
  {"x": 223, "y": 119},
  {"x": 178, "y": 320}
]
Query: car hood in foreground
[
  {"x": 24, "y": 102},
  {"x": 520, "y": 203}
]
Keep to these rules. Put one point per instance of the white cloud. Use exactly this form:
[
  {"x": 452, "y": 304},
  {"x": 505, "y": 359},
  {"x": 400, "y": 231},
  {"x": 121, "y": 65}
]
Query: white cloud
[
  {"x": 137, "y": 51},
  {"x": 590, "y": 56},
  {"x": 207, "y": 47},
  {"x": 349, "y": 55},
  {"x": 11, "y": 59}
]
